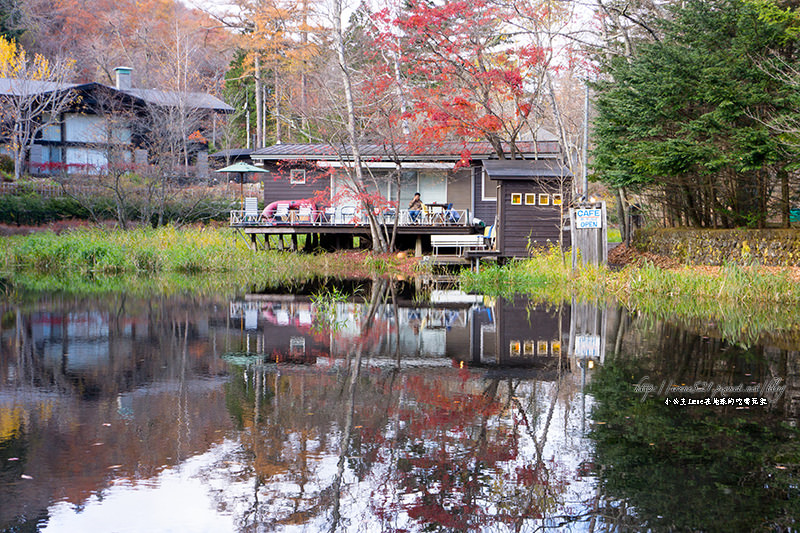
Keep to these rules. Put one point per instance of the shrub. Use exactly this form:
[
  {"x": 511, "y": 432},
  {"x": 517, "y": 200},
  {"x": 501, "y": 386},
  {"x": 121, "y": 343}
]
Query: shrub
[{"x": 6, "y": 164}]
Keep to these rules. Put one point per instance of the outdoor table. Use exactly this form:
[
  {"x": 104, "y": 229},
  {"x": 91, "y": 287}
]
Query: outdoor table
[{"x": 436, "y": 212}]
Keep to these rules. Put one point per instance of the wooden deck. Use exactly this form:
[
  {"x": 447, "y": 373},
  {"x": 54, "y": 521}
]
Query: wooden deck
[
  {"x": 327, "y": 230},
  {"x": 342, "y": 236}
]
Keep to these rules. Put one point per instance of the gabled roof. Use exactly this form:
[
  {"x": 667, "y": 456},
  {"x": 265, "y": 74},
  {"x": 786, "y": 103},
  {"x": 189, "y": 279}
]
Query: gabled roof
[
  {"x": 451, "y": 151},
  {"x": 12, "y": 86}
]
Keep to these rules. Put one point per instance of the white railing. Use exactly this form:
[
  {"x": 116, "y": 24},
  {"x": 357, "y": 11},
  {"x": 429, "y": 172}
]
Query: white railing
[{"x": 347, "y": 216}]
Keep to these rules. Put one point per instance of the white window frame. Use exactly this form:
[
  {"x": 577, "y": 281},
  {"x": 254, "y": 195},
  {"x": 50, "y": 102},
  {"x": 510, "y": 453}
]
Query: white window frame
[
  {"x": 297, "y": 181},
  {"x": 484, "y": 179}
]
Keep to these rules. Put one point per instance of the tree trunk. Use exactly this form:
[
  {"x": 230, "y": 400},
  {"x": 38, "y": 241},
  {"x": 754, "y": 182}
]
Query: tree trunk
[
  {"x": 378, "y": 242},
  {"x": 259, "y": 105},
  {"x": 622, "y": 210},
  {"x": 783, "y": 176}
]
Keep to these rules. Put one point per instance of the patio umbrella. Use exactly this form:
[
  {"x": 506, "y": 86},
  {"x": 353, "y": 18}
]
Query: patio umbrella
[{"x": 242, "y": 168}]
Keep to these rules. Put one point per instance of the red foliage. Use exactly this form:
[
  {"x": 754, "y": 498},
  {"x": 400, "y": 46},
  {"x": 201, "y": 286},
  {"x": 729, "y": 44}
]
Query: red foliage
[{"x": 462, "y": 73}]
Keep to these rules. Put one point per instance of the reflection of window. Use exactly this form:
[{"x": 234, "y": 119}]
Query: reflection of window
[
  {"x": 529, "y": 348},
  {"x": 516, "y": 199},
  {"x": 530, "y": 199},
  {"x": 544, "y": 199},
  {"x": 557, "y": 199},
  {"x": 488, "y": 346},
  {"x": 297, "y": 346},
  {"x": 297, "y": 176},
  {"x": 555, "y": 347},
  {"x": 514, "y": 348},
  {"x": 541, "y": 347}
]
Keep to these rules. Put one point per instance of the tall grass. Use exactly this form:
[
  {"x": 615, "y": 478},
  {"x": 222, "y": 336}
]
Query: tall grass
[
  {"x": 93, "y": 260},
  {"x": 544, "y": 276},
  {"x": 741, "y": 302}
]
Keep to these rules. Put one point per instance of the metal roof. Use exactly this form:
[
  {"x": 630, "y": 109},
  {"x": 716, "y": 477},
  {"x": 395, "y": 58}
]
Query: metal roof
[
  {"x": 232, "y": 153},
  {"x": 526, "y": 169},
  {"x": 404, "y": 152},
  {"x": 174, "y": 99},
  {"x": 12, "y": 86}
]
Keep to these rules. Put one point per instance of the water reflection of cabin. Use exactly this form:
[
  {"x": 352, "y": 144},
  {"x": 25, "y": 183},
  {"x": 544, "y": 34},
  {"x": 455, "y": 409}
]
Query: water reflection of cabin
[
  {"x": 286, "y": 333},
  {"x": 451, "y": 175},
  {"x": 512, "y": 333},
  {"x": 497, "y": 333}
]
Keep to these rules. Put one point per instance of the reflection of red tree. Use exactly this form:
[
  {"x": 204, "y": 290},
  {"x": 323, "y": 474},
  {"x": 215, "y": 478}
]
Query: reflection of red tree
[{"x": 455, "y": 458}]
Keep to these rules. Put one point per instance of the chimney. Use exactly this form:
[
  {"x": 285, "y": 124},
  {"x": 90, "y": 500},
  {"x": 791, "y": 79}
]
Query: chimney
[{"x": 123, "y": 78}]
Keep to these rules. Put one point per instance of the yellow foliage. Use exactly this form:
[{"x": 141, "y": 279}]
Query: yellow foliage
[
  {"x": 14, "y": 63},
  {"x": 8, "y": 58}
]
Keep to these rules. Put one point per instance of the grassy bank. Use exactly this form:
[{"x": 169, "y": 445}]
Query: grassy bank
[
  {"x": 91, "y": 260},
  {"x": 740, "y": 302}
]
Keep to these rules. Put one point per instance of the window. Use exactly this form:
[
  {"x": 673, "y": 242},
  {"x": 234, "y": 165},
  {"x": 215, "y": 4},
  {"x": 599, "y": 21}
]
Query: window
[
  {"x": 514, "y": 348},
  {"x": 529, "y": 348},
  {"x": 557, "y": 199},
  {"x": 530, "y": 199},
  {"x": 516, "y": 199},
  {"x": 544, "y": 199},
  {"x": 541, "y": 347},
  {"x": 297, "y": 176},
  {"x": 488, "y": 187},
  {"x": 555, "y": 347}
]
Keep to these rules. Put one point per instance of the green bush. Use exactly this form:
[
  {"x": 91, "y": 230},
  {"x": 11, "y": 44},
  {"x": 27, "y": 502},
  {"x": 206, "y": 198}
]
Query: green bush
[
  {"x": 6, "y": 164},
  {"x": 30, "y": 208}
]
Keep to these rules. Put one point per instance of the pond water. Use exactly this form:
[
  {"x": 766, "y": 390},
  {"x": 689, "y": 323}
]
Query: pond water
[{"x": 385, "y": 411}]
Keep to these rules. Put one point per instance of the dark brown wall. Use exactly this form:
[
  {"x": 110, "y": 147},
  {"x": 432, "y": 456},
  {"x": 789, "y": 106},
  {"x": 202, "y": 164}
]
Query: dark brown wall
[
  {"x": 277, "y": 185},
  {"x": 516, "y": 322},
  {"x": 520, "y": 224}
]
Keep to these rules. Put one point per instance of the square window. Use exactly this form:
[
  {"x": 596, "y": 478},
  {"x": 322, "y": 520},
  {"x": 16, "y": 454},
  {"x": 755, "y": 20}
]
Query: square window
[
  {"x": 529, "y": 348},
  {"x": 541, "y": 347},
  {"x": 516, "y": 199},
  {"x": 297, "y": 176},
  {"x": 555, "y": 347},
  {"x": 557, "y": 199},
  {"x": 544, "y": 199},
  {"x": 530, "y": 199},
  {"x": 514, "y": 348}
]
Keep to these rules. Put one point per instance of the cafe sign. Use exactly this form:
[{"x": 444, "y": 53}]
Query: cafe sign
[{"x": 588, "y": 218}]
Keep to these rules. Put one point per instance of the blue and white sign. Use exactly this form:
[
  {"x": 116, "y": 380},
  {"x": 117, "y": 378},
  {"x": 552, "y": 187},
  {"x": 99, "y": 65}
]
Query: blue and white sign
[
  {"x": 587, "y": 346},
  {"x": 588, "y": 218}
]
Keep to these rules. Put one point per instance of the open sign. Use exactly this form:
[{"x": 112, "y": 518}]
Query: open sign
[{"x": 588, "y": 218}]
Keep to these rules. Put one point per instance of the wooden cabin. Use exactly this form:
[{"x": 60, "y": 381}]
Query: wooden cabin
[{"x": 533, "y": 198}]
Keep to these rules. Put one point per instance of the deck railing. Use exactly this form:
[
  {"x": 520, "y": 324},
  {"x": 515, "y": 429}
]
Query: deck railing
[{"x": 346, "y": 217}]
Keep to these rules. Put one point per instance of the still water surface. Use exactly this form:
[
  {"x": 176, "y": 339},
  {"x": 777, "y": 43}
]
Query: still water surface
[{"x": 279, "y": 412}]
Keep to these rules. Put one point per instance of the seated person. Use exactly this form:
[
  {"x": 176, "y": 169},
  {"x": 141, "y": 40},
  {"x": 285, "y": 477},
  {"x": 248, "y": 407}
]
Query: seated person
[
  {"x": 451, "y": 215},
  {"x": 415, "y": 207}
]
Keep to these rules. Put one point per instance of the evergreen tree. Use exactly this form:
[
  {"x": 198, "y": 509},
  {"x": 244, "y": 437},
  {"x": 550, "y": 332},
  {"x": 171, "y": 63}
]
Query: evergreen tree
[{"x": 687, "y": 117}]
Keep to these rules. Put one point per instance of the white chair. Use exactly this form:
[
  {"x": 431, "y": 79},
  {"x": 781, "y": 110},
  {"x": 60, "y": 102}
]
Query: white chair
[
  {"x": 328, "y": 216},
  {"x": 281, "y": 213},
  {"x": 304, "y": 214},
  {"x": 349, "y": 215},
  {"x": 250, "y": 210}
]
